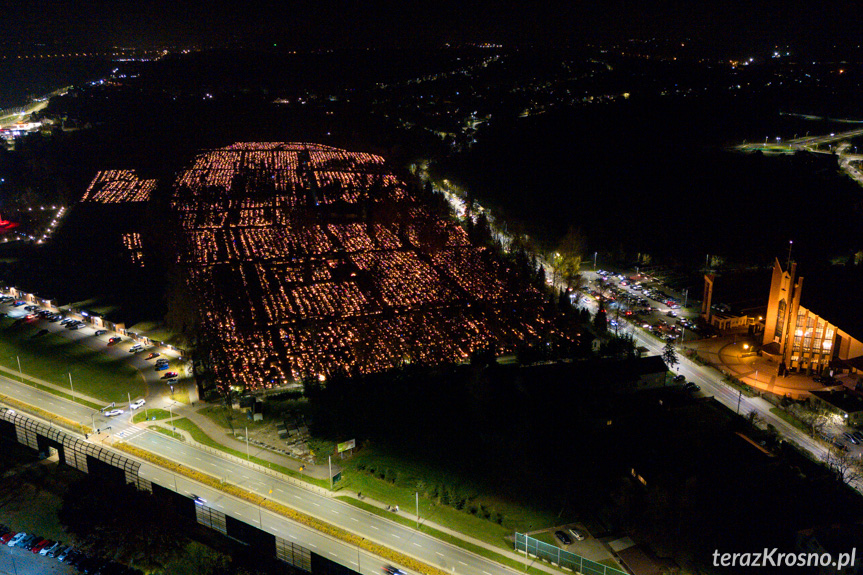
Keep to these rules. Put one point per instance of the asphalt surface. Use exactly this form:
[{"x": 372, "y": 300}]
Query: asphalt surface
[
  {"x": 18, "y": 561},
  {"x": 273, "y": 487}
]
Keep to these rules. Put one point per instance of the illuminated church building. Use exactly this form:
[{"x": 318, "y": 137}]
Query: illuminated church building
[{"x": 798, "y": 338}]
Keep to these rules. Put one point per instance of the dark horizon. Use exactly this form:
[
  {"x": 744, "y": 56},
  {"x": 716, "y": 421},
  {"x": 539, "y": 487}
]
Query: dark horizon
[{"x": 326, "y": 24}]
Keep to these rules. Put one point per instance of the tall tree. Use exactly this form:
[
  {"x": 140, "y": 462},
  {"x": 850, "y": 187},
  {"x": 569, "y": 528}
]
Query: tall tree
[
  {"x": 569, "y": 254},
  {"x": 669, "y": 355}
]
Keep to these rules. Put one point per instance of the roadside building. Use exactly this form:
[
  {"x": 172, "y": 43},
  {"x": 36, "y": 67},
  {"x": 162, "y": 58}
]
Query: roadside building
[{"x": 846, "y": 403}]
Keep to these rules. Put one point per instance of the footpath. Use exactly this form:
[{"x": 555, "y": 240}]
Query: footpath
[{"x": 219, "y": 435}]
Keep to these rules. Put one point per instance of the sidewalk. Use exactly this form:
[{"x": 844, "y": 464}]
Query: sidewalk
[
  {"x": 729, "y": 356},
  {"x": 457, "y": 534},
  {"x": 221, "y": 436}
]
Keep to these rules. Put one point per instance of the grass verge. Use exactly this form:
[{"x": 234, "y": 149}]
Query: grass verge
[
  {"x": 51, "y": 357},
  {"x": 446, "y": 537},
  {"x": 789, "y": 419},
  {"x": 198, "y": 435},
  {"x": 150, "y": 415},
  {"x": 445, "y": 499},
  {"x": 167, "y": 432}
]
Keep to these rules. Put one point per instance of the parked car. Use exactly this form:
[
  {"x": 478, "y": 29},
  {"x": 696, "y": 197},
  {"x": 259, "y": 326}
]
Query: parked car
[
  {"x": 64, "y": 553},
  {"x": 577, "y": 533},
  {"x": 6, "y": 537},
  {"x": 161, "y": 366},
  {"x": 115, "y": 339},
  {"x": 49, "y": 548},
  {"x": 152, "y": 355},
  {"x": 691, "y": 386},
  {"x": 101, "y": 332},
  {"x": 162, "y": 360},
  {"x": 172, "y": 381},
  {"x": 137, "y": 403},
  {"x": 29, "y": 542},
  {"x": 679, "y": 378},
  {"x": 170, "y": 375},
  {"x": 44, "y": 544},
  {"x": 136, "y": 348},
  {"x": 857, "y": 435},
  {"x": 562, "y": 537}
]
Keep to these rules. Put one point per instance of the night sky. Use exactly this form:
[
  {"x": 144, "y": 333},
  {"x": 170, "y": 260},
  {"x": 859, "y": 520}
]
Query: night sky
[{"x": 326, "y": 23}]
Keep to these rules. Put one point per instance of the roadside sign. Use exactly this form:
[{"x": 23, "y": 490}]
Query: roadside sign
[{"x": 342, "y": 447}]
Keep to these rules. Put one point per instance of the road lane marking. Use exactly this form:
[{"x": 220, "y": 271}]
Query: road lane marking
[
  {"x": 292, "y": 537},
  {"x": 396, "y": 536},
  {"x": 316, "y": 504},
  {"x": 336, "y": 512},
  {"x": 313, "y": 545},
  {"x": 355, "y": 519},
  {"x": 463, "y": 563},
  {"x": 417, "y": 544},
  {"x": 333, "y": 554},
  {"x": 439, "y": 553},
  {"x": 297, "y": 496},
  {"x": 373, "y": 527},
  {"x": 279, "y": 490},
  {"x": 486, "y": 573}
]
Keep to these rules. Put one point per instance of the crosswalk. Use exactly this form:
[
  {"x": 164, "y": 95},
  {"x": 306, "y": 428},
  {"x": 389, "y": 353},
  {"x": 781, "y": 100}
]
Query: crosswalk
[{"x": 129, "y": 433}]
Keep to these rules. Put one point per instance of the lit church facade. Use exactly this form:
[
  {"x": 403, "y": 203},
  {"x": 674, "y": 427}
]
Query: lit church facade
[{"x": 798, "y": 338}]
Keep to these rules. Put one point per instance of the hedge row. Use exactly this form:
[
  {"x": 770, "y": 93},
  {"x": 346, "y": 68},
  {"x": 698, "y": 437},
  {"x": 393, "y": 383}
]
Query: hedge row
[
  {"x": 39, "y": 412},
  {"x": 292, "y": 514}
]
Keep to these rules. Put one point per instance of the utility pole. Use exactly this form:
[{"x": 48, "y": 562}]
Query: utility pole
[
  {"x": 248, "y": 457},
  {"x": 739, "y": 396},
  {"x": 330, "y": 462},
  {"x": 20, "y": 373},
  {"x": 418, "y": 509}
]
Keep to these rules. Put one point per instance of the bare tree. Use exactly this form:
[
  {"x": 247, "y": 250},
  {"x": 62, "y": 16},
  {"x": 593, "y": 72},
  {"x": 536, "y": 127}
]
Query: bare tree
[
  {"x": 813, "y": 421},
  {"x": 848, "y": 469}
]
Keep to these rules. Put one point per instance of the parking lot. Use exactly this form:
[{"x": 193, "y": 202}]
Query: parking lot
[{"x": 16, "y": 561}]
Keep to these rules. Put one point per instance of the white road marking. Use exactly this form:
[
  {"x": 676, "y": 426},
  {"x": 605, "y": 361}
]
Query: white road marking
[
  {"x": 316, "y": 504},
  {"x": 336, "y": 512},
  {"x": 373, "y": 527},
  {"x": 417, "y": 544},
  {"x": 439, "y": 553},
  {"x": 396, "y": 536},
  {"x": 355, "y": 519},
  {"x": 297, "y": 496},
  {"x": 463, "y": 563},
  {"x": 333, "y": 554},
  {"x": 292, "y": 537},
  {"x": 313, "y": 545}
]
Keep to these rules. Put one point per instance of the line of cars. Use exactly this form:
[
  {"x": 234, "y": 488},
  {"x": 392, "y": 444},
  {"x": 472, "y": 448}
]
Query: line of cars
[{"x": 63, "y": 553}]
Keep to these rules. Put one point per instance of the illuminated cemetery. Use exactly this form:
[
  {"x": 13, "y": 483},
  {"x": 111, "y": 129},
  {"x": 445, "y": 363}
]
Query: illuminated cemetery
[{"x": 310, "y": 261}]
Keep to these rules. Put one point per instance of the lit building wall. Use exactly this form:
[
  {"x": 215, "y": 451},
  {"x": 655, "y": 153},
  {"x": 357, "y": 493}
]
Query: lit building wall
[{"x": 806, "y": 341}]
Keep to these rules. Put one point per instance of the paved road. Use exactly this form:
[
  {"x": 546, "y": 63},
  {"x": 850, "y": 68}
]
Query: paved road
[
  {"x": 711, "y": 384},
  {"x": 273, "y": 487}
]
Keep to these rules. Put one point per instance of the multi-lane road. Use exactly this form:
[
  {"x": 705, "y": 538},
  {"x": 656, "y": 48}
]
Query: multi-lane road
[{"x": 270, "y": 486}]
